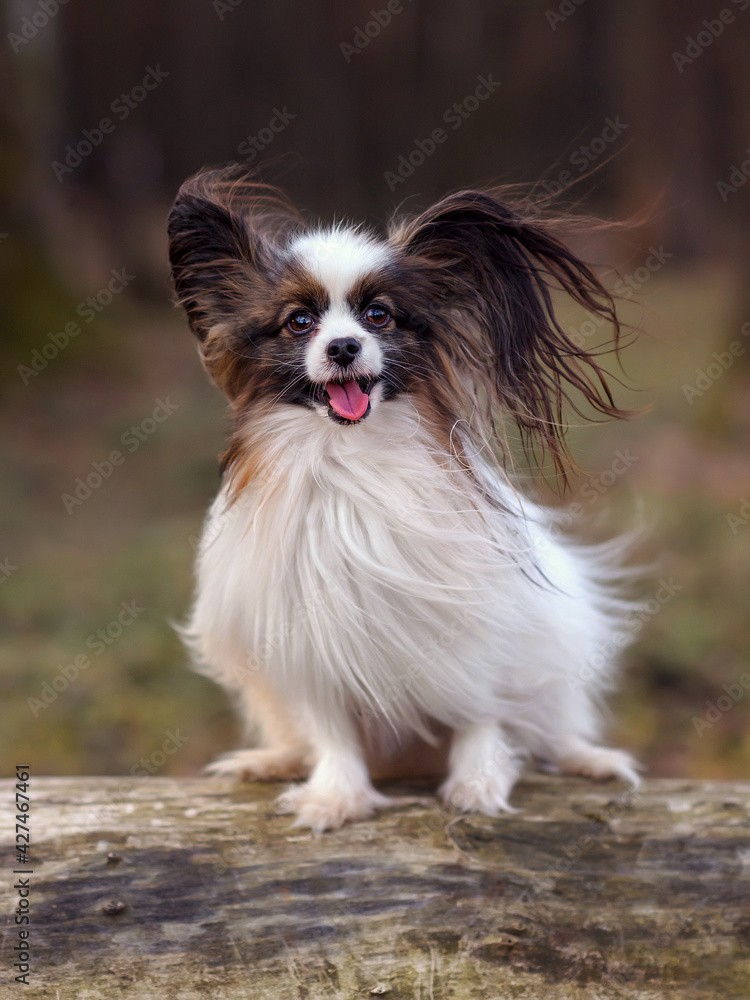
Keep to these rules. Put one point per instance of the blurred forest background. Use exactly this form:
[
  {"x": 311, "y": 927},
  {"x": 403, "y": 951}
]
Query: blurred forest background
[{"x": 106, "y": 108}]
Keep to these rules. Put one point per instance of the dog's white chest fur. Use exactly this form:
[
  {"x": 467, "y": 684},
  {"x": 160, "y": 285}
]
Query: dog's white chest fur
[{"x": 364, "y": 569}]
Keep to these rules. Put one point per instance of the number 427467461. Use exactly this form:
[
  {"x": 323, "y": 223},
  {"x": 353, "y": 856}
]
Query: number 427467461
[{"x": 23, "y": 806}]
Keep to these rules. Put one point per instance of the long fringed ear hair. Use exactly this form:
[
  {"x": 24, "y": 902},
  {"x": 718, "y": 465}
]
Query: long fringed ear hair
[
  {"x": 492, "y": 268},
  {"x": 223, "y": 228}
]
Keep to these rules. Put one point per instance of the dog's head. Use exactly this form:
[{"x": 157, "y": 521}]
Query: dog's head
[{"x": 452, "y": 307}]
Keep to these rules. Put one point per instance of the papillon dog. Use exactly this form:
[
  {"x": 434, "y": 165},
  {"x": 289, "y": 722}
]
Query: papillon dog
[{"x": 370, "y": 578}]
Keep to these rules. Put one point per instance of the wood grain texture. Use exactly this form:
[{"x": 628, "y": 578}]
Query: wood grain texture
[{"x": 587, "y": 892}]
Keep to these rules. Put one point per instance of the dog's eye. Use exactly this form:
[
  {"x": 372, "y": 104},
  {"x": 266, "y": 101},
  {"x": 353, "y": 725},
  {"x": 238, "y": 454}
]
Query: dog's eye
[
  {"x": 377, "y": 315},
  {"x": 301, "y": 322}
]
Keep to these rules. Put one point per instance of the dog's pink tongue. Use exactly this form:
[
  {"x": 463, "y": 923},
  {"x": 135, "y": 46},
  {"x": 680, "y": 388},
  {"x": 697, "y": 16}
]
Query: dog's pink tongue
[{"x": 347, "y": 399}]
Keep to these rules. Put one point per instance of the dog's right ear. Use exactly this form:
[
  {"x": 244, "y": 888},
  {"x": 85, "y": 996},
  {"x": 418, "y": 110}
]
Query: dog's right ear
[{"x": 220, "y": 230}]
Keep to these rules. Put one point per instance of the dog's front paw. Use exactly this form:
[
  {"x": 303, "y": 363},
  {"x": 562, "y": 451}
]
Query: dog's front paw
[
  {"x": 261, "y": 764},
  {"x": 599, "y": 763},
  {"x": 327, "y": 809},
  {"x": 482, "y": 793}
]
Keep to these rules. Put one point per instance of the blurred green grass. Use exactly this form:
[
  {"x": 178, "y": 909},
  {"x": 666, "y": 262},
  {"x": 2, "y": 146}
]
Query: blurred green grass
[{"x": 133, "y": 540}]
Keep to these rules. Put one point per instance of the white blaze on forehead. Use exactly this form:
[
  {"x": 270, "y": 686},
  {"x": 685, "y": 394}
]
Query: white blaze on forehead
[{"x": 339, "y": 257}]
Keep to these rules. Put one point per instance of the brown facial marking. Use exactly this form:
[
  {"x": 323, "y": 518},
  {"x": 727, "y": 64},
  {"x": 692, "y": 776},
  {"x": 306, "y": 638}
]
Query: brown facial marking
[{"x": 257, "y": 356}]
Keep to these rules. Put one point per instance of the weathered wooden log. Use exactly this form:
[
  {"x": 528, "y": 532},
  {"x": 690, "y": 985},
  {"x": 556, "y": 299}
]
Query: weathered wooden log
[{"x": 161, "y": 889}]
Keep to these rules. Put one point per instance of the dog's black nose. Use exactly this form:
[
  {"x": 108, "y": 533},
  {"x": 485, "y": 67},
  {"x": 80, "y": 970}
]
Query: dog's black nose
[{"x": 343, "y": 350}]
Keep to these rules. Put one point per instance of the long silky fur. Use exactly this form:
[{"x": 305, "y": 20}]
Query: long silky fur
[
  {"x": 367, "y": 567},
  {"x": 502, "y": 332},
  {"x": 391, "y": 568}
]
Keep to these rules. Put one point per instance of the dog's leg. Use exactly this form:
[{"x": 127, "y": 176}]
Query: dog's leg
[
  {"x": 573, "y": 755},
  {"x": 564, "y": 736},
  {"x": 482, "y": 769},
  {"x": 283, "y": 754},
  {"x": 339, "y": 788}
]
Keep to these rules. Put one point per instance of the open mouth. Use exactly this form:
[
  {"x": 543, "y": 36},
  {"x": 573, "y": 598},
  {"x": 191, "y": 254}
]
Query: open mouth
[{"x": 349, "y": 401}]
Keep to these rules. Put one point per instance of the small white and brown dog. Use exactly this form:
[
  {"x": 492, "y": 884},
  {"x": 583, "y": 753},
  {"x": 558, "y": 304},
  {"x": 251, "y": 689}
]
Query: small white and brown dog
[{"x": 369, "y": 578}]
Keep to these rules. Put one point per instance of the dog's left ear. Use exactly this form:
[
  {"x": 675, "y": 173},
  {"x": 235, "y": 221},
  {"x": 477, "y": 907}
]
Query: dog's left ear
[
  {"x": 496, "y": 267},
  {"x": 222, "y": 228}
]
